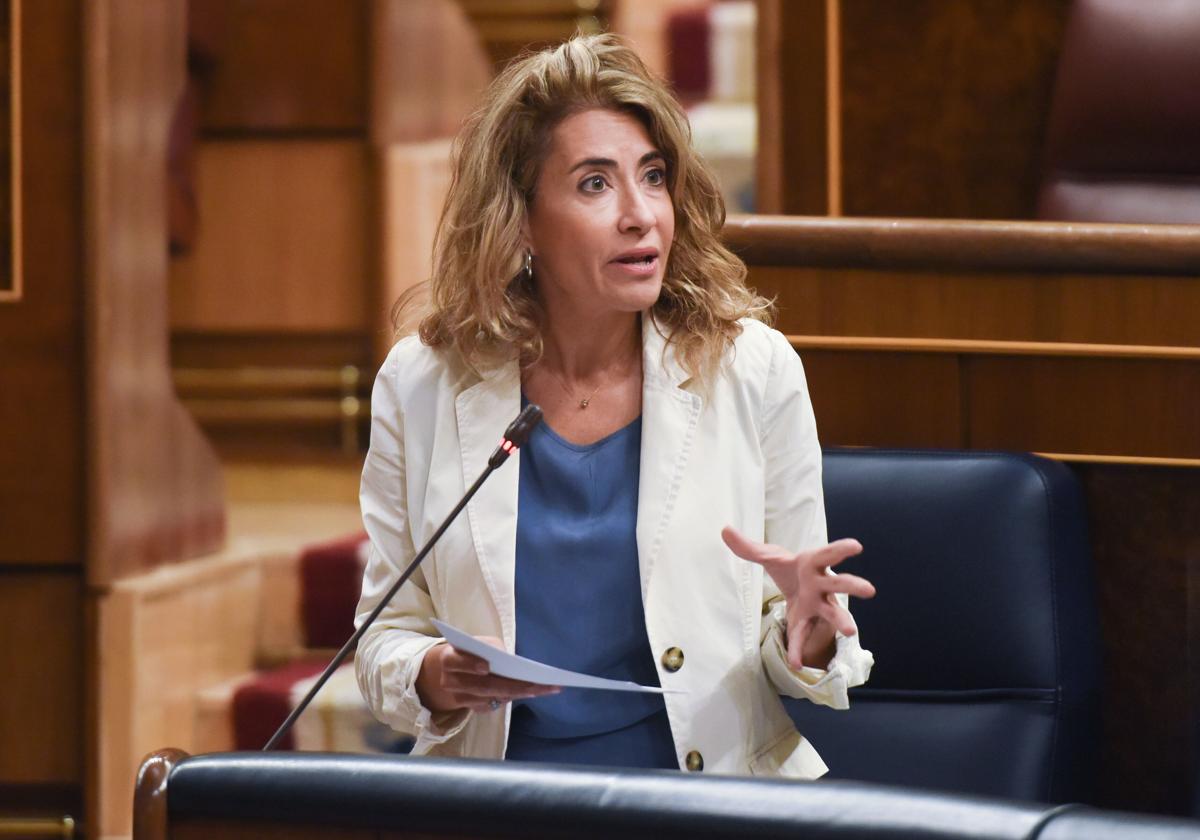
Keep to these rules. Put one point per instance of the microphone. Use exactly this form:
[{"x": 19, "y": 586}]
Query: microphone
[{"x": 515, "y": 436}]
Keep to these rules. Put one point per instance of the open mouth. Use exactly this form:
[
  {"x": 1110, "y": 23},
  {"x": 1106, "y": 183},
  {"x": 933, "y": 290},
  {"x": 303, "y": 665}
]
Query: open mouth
[{"x": 643, "y": 260}]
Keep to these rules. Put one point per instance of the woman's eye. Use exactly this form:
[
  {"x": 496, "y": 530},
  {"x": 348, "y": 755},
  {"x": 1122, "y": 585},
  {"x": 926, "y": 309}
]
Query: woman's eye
[
  {"x": 593, "y": 184},
  {"x": 656, "y": 177}
]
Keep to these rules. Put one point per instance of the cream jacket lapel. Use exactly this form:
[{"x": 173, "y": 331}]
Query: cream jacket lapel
[{"x": 483, "y": 411}]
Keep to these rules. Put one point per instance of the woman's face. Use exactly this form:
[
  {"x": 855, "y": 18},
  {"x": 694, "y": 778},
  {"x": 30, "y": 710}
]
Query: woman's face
[{"x": 601, "y": 221}]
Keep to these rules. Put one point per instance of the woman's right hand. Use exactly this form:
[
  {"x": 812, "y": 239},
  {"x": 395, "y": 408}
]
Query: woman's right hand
[{"x": 450, "y": 680}]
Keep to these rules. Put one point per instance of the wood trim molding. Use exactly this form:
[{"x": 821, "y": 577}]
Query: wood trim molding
[
  {"x": 13, "y": 291},
  {"x": 1120, "y": 460},
  {"x": 943, "y": 244},
  {"x": 833, "y": 105},
  {"x": 993, "y": 348}
]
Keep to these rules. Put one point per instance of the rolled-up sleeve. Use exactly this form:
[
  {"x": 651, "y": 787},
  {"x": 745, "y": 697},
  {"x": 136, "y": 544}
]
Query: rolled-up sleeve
[
  {"x": 390, "y": 653},
  {"x": 795, "y": 518}
]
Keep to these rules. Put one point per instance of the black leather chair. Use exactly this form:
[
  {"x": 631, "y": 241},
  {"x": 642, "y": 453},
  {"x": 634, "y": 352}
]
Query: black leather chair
[
  {"x": 984, "y": 629},
  {"x": 321, "y": 795}
]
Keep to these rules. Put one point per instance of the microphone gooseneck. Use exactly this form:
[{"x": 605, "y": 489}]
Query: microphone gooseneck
[{"x": 515, "y": 436}]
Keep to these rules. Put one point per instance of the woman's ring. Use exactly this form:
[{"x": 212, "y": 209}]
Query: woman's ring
[{"x": 494, "y": 704}]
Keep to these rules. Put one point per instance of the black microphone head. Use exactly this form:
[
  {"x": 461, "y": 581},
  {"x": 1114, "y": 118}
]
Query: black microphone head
[{"x": 519, "y": 430}]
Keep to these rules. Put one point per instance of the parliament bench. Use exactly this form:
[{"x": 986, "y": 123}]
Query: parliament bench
[{"x": 317, "y": 795}]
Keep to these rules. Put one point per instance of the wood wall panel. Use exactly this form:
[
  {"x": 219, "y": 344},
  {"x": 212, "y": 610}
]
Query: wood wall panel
[
  {"x": 926, "y": 108},
  {"x": 292, "y": 66},
  {"x": 428, "y": 70},
  {"x": 1145, "y": 534},
  {"x": 416, "y": 178},
  {"x": 41, "y": 658},
  {"x": 153, "y": 485},
  {"x": 41, "y": 335},
  {"x": 284, "y": 241},
  {"x": 41, "y": 463},
  {"x": 1097, "y": 308},
  {"x": 944, "y": 105},
  {"x": 1148, "y": 408},
  {"x": 793, "y": 152},
  {"x": 163, "y": 636},
  {"x": 882, "y": 399},
  {"x": 509, "y": 27}
]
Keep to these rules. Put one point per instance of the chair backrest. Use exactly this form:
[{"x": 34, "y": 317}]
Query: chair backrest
[
  {"x": 1124, "y": 129},
  {"x": 984, "y": 628},
  {"x": 324, "y": 795},
  {"x": 340, "y": 795}
]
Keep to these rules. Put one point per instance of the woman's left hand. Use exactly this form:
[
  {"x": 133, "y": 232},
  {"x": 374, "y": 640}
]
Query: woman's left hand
[{"x": 813, "y": 612}]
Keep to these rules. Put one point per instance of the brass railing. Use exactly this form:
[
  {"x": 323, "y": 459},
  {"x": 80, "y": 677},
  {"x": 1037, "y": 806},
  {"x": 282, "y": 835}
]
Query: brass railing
[{"x": 37, "y": 827}]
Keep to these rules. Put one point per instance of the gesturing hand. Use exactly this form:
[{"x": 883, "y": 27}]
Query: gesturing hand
[
  {"x": 813, "y": 612},
  {"x": 451, "y": 679}
]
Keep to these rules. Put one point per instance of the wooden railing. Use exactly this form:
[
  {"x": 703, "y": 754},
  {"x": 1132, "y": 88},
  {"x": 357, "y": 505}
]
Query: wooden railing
[
  {"x": 264, "y": 396},
  {"x": 1080, "y": 341}
]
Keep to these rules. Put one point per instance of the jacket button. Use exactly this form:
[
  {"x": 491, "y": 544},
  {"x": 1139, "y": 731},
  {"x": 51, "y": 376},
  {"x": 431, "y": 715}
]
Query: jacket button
[
  {"x": 695, "y": 761},
  {"x": 672, "y": 659}
]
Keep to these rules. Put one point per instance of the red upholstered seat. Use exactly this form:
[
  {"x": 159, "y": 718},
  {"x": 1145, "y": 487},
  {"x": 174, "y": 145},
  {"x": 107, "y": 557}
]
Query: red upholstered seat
[
  {"x": 330, "y": 582},
  {"x": 331, "y": 578},
  {"x": 261, "y": 704},
  {"x": 690, "y": 64}
]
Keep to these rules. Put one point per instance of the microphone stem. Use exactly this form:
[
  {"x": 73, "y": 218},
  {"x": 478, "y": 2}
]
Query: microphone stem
[{"x": 352, "y": 642}]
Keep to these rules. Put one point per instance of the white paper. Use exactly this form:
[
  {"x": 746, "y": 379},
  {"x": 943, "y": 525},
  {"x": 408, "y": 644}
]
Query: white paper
[{"x": 505, "y": 664}]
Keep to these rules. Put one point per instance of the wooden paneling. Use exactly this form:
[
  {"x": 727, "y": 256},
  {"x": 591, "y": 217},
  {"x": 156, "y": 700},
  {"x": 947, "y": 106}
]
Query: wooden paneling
[
  {"x": 153, "y": 485},
  {"x": 163, "y": 636},
  {"x": 294, "y": 66},
  {"x": 202, "y": 350},
  {"x": 41, "y": 705},
  {"x": 416, "y": 178},
  {"x": 793, "y": 151},
  {"x": 284, "y": 239},
  {"x": 427, "y": 70},
  {"x": 949, "y": 245},
  {"x": 10, "y": 151},
  {"x": 507, "y": 27},
  {"x": 1096, "y": 309},
  {"x": 930, "y": 108},
  {"x": 1145, "y": 532},
  {"x": 884, "y": 399},
  {"x": 41, "y": 335},
  {"x": 1097, "y": 406},
  {"x": 944, "y": 105}
]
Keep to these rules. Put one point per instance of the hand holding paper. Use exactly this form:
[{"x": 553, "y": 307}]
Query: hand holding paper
[{"x": 515, "y": 667}]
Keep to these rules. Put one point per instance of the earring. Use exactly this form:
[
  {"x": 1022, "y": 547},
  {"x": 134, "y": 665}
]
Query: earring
[{"x": 528, "y": 269}]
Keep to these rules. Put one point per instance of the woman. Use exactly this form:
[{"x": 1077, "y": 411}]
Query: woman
[{"x": 577, "y": 266}]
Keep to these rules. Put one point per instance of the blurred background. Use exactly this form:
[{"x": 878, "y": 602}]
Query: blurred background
[{"x": 212, "y": 205}]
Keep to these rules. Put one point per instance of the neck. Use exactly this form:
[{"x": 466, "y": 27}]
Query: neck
[{"x": 584, "y": 349}]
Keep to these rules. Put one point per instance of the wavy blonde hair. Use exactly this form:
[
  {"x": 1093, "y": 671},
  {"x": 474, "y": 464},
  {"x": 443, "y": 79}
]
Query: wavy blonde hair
[{"x": 480, "y": 302}]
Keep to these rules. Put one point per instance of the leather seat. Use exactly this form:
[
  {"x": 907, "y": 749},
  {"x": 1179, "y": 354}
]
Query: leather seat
[
  {"x": 984, "y": 628},
  {"x": 1124, "y": 129},
  {"x": 319, "y": 794},
  {"x": 440, "y": 797}
]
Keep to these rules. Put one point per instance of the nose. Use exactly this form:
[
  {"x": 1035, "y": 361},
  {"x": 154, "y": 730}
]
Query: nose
[{"x": 637, "y": 216}]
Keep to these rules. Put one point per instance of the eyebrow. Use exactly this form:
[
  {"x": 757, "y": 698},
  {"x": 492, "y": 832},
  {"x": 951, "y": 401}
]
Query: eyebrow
[{"x": 653, "y": 154}]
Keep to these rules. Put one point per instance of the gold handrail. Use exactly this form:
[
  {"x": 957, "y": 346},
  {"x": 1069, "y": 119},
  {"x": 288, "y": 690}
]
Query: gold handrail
[{"x": 37, "y": 827}]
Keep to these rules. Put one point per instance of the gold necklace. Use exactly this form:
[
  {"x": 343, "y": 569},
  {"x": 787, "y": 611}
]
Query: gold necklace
[
  {"x": 586, "y": 401},
  {"x": 583, "y": 403}
]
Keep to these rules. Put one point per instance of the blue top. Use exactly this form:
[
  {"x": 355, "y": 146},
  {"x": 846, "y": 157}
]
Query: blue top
[{"x": 579, "y": 604}]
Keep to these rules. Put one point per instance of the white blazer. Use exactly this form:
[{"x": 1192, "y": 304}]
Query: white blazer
[{"x": 745, "y": 453}]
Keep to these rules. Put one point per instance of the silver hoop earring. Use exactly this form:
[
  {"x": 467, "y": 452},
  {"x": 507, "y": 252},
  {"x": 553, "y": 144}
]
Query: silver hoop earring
[{"x": 528, "y": 269}]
